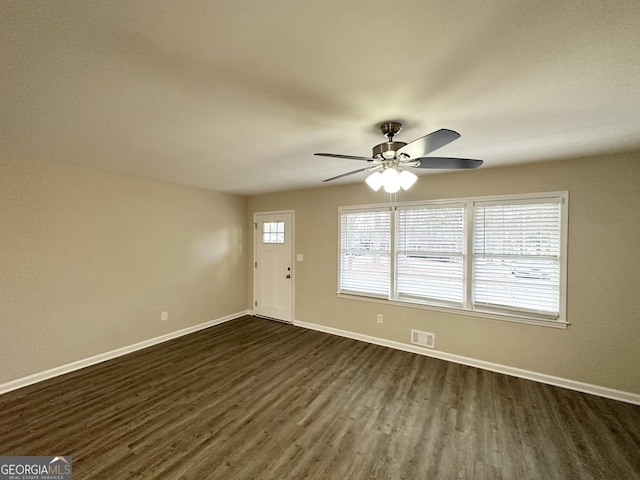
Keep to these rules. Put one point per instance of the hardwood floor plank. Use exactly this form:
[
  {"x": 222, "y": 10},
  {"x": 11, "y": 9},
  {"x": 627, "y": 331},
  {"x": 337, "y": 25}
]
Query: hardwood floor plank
[{"x": 255, "y": 399}]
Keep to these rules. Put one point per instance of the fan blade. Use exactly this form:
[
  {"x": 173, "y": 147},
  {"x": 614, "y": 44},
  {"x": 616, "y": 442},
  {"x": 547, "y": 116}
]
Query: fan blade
[
  {"x": 352, "y": 157},
  {"x": 347, "y": 174},
  {"x": 448, "y": 163},
  {"x": 427, "y": 144}
]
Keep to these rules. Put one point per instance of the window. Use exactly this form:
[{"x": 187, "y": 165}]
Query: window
[
  {"x": 500, "y": 257},
  {"x": 431, "y": 253},
  {"x": 516, "y": 257},
  {"x": 364, "y": 252},
  {"x": 273, "y": 232}
]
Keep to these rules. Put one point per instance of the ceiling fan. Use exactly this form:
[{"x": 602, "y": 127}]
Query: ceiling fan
[{"x": 389, "y": 159}]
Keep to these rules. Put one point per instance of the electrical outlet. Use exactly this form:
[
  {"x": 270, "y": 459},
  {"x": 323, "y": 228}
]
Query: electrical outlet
[
  {"x": 164, "y": 316},
  {"x": 380, "y": 318}
]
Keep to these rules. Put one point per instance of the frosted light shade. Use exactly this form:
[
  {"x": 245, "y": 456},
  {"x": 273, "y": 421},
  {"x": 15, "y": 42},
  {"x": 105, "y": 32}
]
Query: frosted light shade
[
  {"x": 406, "y": 179},
  {"x": 391, "y": 180},
  {"x": 374, "y": 181}
]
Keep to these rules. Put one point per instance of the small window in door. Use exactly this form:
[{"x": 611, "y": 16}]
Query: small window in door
[{"x": 273, "y": 232}]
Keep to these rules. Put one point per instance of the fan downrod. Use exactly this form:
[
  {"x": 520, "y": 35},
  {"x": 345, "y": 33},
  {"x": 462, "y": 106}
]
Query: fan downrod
[
  {"x": 387, "y": 150},
  {"x": 390, "y": 129}
]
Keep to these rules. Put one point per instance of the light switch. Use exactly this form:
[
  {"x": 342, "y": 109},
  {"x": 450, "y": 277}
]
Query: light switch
[{"x": 299, "y": 257}]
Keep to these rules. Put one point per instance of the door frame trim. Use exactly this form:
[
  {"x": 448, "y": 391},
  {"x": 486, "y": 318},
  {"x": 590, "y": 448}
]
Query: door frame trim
[{"x": 293, "y": 256}]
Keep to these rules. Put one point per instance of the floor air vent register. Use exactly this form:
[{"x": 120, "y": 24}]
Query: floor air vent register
[{"x": 424, "y": 339}]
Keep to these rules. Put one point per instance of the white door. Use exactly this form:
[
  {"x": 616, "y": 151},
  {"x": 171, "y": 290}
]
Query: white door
[{"x": 273, "y": 265}]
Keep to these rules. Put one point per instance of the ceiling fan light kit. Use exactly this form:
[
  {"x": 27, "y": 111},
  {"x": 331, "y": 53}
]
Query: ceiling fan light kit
[
  {"x": 391, "y": 179},
  {"x": 374, "y": 181},
  {"x": 407, "y": 179},
  {"x": 390, "y": 159}
]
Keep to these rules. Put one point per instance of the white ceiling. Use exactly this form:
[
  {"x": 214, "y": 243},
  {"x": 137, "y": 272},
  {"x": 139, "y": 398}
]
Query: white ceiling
[{"x": 236, "y": 96}]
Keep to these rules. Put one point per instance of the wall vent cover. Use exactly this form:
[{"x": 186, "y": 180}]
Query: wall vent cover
[{"x": 424, "y": 339}]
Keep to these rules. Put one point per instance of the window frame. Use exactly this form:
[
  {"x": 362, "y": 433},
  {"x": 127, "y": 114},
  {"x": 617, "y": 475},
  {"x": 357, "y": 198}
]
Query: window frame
[
  {"x": 463, "y": 254},
  {"x": 467, "y": 308},
  {"x": 277, "y": 235},
  {"x": 391, "y": 263}
]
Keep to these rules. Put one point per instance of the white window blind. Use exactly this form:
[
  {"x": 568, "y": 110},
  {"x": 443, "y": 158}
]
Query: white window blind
[
  {"x": 430, "y": 254},
  {"x": 516, "y": 263},
  {"x": 499, "y": 257},
  {"x": 365, "y": 245}
]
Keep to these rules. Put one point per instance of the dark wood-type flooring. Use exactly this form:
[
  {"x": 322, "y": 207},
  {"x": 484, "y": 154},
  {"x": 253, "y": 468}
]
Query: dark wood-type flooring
[{"x": 256, "y": 399}]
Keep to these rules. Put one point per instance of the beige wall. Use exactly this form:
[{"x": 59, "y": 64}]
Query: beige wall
[
  {"x": 89, "y": 259},
  {"x": 602, "y": 344}
]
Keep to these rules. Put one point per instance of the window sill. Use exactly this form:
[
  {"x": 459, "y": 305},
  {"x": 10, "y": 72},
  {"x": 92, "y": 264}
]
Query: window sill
[{"x": 458, "y": 311}]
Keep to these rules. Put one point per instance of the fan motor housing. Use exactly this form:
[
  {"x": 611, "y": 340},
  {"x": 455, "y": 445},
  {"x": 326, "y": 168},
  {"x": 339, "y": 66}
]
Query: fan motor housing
[{"x": 387, "y": 149}]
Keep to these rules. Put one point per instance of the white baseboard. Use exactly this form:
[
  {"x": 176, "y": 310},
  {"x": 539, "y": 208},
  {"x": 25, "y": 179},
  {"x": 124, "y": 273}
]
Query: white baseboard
[
  {"x": 494, "y": 367},
  {"x": 70, "y": 367},
  {"x": 623, "y": 396}
]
